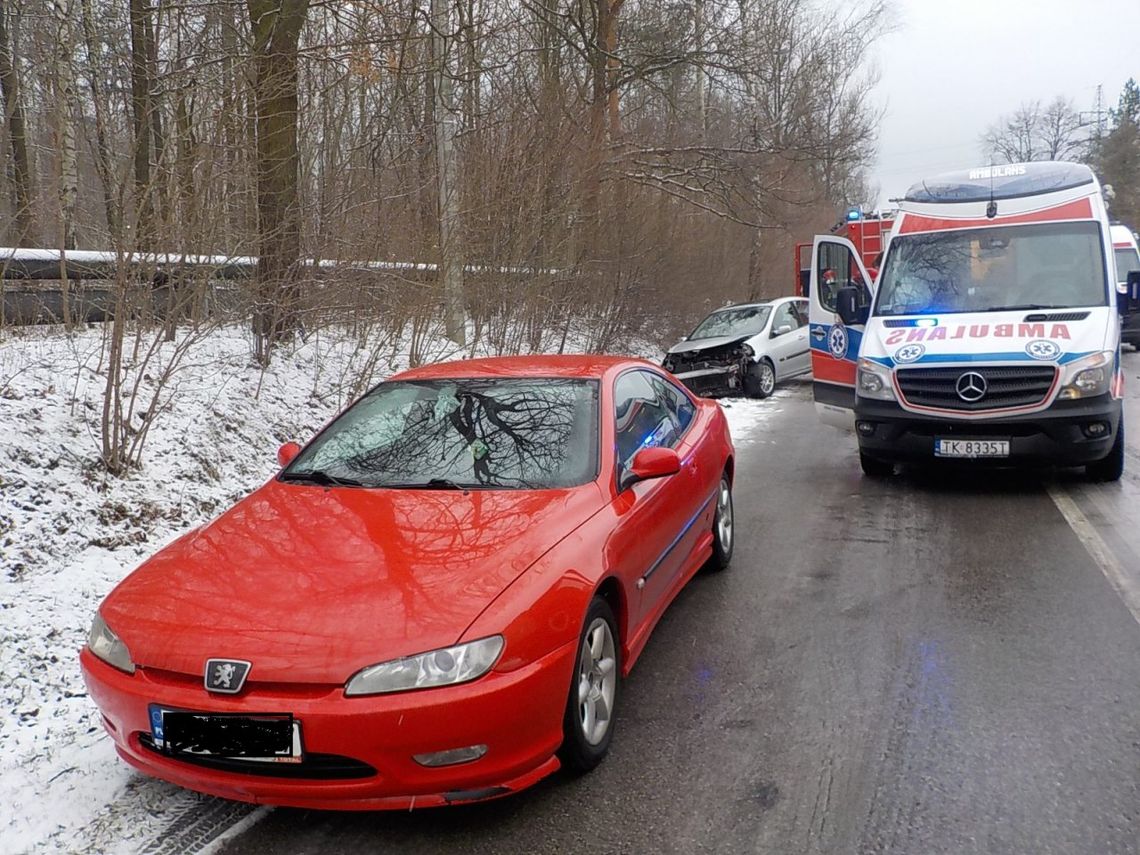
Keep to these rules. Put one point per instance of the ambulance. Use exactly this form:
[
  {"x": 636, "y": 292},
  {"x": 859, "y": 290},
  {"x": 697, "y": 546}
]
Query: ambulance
[
  {"x": 991, "y": 335},
  {"x": 1127, "y": 261}
]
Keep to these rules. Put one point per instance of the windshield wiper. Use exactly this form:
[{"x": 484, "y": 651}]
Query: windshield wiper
[
  {"x": 319, "y": 476},
  {"x": 432, "y": 484}
]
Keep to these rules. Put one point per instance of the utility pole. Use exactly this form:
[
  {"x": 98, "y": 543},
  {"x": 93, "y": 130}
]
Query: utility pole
[{"x": 450, "y": 217}]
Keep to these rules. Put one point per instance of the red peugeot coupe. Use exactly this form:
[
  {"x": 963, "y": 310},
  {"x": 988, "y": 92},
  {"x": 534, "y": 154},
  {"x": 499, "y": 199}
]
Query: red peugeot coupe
[{"x": 434, "y": 601}]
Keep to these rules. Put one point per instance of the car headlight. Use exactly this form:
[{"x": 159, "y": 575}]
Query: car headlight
[
  {"x": 1088, "y": 377},
  {"x": 444, "y": 667},
  {"x": 873, "y": 381},
  {"x": 747, "y": 351},
  {"x": 108, "y": 646},
  {"x": 668, "y": 363}
]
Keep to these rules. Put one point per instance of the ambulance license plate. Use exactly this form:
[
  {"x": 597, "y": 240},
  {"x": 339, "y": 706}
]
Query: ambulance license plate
[{"x": 971, "y": 447}]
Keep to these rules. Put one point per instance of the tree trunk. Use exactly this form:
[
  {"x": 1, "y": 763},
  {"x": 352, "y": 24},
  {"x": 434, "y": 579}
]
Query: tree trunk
[
  {"x": 65, "y": 95},
  {"x": 141, "y": 109},
  {"x": 450, "y": 218},
  {"x": 17, "y": 134},
  {"x": 276, "y": 29},
  {"x": 103, "y": 154}
]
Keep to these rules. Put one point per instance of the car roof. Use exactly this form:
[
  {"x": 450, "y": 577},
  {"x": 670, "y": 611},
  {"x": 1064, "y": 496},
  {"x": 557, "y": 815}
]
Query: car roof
[
  {"x": 590, "y": 365},
  {"x": 1121, "y": 235},
  {"x": 771, "y": 302}
]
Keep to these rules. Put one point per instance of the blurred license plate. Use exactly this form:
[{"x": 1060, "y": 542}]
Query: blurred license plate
[
  {"x": 971, "y": 448},
  {"x": 265, "y": 737}
]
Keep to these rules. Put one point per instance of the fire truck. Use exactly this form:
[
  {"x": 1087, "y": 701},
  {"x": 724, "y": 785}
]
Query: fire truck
[{"x": 868, "y": 232}]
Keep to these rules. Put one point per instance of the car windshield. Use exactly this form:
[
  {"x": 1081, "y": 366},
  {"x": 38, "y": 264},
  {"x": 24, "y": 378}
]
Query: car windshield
[
  {"x": 1127, "y": 259},
  {"x": 460, "y": 433},
  {"x": 1043, "y": 265},
  {"x": 739, "y": 320}
]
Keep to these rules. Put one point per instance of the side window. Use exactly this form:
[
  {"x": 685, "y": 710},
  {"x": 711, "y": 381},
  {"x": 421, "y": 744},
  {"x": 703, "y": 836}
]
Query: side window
[
  {"x": 642, "y": 417},
  {"x": 800, "y": 307},
  {"x": 677, "y": 403},
  {"x": 784, "y": 317},
  {"x": 833, "y": 270}
]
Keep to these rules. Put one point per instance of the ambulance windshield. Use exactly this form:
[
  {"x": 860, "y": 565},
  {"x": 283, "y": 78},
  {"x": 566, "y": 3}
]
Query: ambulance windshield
[
  {"x": 1127, "y": 260},
  {"x": 1040, "y": 265}
]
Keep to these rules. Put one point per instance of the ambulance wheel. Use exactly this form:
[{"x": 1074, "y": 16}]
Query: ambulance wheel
[
  {"x": 1112, "y": 467},
  {"x": 874, "y": 468},
  {"x": 760, "y": 380}
]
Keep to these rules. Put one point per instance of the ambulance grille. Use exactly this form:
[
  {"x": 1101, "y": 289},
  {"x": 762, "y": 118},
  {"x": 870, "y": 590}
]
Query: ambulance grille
[{"x": 1007, "y": 387}]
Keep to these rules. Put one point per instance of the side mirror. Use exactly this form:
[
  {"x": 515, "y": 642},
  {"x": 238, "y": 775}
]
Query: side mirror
[
  {"x": 286, "y": 453},
  {"x": 1133, "y": 295},
  {"x": 654, "y": 462},
  {"x": 848, "y": 308},
  {"x": 781, "y": 330}
]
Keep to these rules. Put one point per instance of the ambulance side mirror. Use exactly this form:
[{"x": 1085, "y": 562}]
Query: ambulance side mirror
[
  {"x": 1128, "y": 300},
  {"x": 848, "y": 308}
]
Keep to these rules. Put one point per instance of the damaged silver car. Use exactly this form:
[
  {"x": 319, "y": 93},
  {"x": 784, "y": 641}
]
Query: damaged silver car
[{"x": 744, "y": 349}]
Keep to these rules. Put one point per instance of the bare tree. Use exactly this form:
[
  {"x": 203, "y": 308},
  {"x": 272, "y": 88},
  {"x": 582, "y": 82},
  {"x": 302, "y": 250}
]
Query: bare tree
[
  {"x": 1033, "y": 132},
  {"x": 276, "y": 28},
  {"x": 22, "y": 182}
]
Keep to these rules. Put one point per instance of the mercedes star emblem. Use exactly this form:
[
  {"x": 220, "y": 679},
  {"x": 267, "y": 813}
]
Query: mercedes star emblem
[{"x": 971, "y": 387}]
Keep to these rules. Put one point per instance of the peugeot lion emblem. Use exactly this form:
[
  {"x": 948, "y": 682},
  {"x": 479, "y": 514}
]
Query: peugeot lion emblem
[
  {"x": 971, "y": 387},
  {"x": 226, "y": 676}
]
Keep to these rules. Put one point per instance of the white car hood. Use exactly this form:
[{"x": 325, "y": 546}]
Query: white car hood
[
  {"x": 988, "y": 337},
  {"x": 707, "y": 343}
]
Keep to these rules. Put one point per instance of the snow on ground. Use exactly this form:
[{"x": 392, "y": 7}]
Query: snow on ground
[
  {"x": 748, "y": 418},
  {"x": 69, "y": 532}
]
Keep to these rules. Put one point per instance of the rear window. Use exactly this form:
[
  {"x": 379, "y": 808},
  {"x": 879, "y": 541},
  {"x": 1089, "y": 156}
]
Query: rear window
[{"x": 1040, "y": 265}]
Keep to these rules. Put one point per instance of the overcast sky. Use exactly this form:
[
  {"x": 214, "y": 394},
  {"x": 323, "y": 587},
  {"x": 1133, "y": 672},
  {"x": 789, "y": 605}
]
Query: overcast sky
[{"x": 953, "y": 67}]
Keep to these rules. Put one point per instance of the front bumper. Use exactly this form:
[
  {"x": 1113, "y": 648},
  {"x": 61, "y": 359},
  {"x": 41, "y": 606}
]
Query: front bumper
[
  {"x": 706, "y": 382},
  {"x": 1054, "y": 436},
  {"x": 517, "y": 714}
]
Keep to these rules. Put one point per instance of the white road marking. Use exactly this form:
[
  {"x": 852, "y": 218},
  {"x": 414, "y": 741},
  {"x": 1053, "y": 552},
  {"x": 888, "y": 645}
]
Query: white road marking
[
  {"x": 1124, "y": 585},
  {"x": 239, "y": 827}
]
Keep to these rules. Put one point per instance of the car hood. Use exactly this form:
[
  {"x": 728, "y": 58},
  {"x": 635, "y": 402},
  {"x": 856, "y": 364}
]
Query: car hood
[
  {"x": 1064, "y": 336},
  {"x": 707, "y": 343},
  {"x": 312, "y": 584}
]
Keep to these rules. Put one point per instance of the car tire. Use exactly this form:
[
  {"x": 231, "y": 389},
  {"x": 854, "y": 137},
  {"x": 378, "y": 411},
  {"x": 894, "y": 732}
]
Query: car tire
[
  {"x": 1109, "y": 468},
  {"x": 875, "y": 468},
  {"x": 760, "y": 381},
  {"x": 597, "y": 674},
  {"x": 723, "y": 528}
]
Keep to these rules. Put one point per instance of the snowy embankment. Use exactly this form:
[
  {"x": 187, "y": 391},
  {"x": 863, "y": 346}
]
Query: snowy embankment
[{"x": 69, "y": 532}]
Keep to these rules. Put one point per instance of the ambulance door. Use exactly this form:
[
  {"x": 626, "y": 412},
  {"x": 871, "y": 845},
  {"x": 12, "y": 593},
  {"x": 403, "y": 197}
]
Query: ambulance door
[{"x": 834, "y": 344}]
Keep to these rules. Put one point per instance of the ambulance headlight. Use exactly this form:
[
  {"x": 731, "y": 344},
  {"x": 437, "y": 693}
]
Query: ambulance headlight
[
  {"x": 1088, "y": 377},
  {"x": 873, "y": 381}
]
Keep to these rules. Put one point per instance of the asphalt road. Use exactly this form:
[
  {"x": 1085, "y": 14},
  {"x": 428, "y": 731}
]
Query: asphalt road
[{"x": 931, "y": 664}]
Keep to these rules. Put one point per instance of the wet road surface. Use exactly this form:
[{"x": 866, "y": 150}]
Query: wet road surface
[{"x": 929, "y": 664}]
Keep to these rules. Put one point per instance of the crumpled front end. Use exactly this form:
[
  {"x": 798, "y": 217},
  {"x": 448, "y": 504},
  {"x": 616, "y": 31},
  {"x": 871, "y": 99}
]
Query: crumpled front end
[{"x": 711, "y": 371}]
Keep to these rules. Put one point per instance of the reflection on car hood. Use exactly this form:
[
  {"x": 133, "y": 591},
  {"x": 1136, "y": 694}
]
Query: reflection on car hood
[
  {"x": 707, "y": 343},
  {"x": 311, "y": 584}
]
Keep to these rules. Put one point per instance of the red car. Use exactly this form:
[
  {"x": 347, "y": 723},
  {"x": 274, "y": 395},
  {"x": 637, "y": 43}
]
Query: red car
[{"x": 434, "y": 601}]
